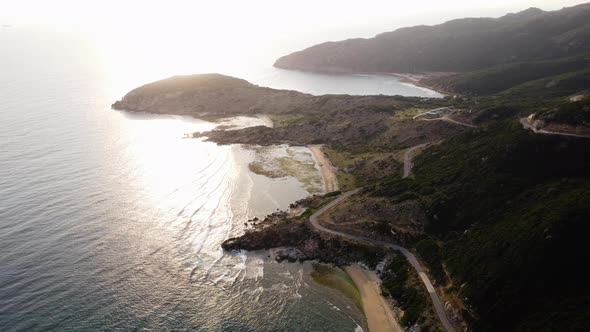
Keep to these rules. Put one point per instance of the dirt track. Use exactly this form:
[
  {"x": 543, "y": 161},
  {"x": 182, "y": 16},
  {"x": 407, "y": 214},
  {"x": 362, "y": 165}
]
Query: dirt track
[{"x": 326, "y": 169}]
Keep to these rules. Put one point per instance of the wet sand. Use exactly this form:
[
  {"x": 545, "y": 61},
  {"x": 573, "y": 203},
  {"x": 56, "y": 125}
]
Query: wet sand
[
  {"x": 326, "y": 169},
  {"x": 380, "y": 317}
]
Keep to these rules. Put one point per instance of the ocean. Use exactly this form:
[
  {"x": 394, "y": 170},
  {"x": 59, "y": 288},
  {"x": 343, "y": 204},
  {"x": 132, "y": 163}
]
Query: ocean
[{"x": 112, "y": 221}]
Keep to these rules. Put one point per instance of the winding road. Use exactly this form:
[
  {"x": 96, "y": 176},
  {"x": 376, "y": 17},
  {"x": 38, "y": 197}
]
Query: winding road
[
  {"x": 408, "y": 159},
  {"x": 436, "y": 302},
  {"x": 526, "y": 125},
  {"x": 446, "y": 118},
  {"x": 438, "y": 306}
]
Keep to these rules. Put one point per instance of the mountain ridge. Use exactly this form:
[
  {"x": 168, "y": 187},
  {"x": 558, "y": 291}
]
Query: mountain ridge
[{"x": 454, "y": 46}]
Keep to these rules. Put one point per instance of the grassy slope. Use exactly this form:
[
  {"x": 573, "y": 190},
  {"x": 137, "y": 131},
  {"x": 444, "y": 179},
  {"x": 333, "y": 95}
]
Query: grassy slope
[
  {"x": 510, "y": 209},
  {"x": 511, "y": 160},
  {"x": 507, "y": 209},
  {"x": 523, "y": 266},
  {"x": 503, "y": 77},
  {"x": 575, "y": 113},
  {"x": 553, "y": 87}
]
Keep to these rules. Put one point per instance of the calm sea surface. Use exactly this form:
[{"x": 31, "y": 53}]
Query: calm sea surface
[{"x": 111, "y": 221}]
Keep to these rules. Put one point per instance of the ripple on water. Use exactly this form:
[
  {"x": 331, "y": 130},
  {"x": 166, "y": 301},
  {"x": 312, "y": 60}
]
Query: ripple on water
[{"x": 110, "y": 221}]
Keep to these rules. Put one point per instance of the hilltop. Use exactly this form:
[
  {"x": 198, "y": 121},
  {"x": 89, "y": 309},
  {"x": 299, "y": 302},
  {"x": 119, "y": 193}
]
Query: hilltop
[{"x": 208, "y": 94}]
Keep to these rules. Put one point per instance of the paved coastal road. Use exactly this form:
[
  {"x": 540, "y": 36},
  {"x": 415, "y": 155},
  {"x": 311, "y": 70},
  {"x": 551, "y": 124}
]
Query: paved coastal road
[
  {"x": 438, "y": 306},
  {"x": 526, "y": 125},
  {"x": 408, "y": 159}
]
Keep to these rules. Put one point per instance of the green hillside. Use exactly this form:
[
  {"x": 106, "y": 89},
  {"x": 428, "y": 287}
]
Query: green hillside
[
  {"x": 503, "y": 77},
  {"x": 511, "y": 210}
]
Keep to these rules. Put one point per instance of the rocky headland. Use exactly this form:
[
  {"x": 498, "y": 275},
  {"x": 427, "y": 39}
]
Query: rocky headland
[
  {"x": 305, "y": 119},
  {"x": 217, "y": 95},
  {"x": 296, "y": 241}
]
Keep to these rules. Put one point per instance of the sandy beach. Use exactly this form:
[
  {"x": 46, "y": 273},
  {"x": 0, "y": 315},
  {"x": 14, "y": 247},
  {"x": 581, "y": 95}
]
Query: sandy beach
[
  {"x": 380, "y": 317},
  {"x": 326, "y": 169},
  {"x": 378, "y": 313}
]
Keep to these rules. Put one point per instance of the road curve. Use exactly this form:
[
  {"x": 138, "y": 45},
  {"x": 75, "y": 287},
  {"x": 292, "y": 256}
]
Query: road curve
[
  {"x": 526, "y": 125},
  {"x": 447, "y": 119},
  {"x": 438, "y": 306},
  {"x": 408, "y": 159}
]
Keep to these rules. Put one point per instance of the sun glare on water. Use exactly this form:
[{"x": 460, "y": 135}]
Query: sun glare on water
[{"x": 162, "y": 159}]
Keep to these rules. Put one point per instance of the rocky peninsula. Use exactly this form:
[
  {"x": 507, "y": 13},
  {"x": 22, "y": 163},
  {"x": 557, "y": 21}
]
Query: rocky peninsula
[
  {"x": 216, "y": 95},
  {"x": 304, "y": 119}
]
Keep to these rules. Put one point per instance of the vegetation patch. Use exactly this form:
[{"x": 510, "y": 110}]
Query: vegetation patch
[
  {"x": 286, "y": 120},
  {"x": 402, "y": 284},
  {"x": 357, "y": 168},
  {"x": 502, "y": 77},
  {"x": 295, "y": 163},
  {"x": 574, "y": 113},
  {"x": 507, "y": 211}
]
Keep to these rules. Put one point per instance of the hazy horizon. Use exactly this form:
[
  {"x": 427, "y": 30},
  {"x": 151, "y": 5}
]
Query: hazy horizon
[{"x": 181, "y": 37}]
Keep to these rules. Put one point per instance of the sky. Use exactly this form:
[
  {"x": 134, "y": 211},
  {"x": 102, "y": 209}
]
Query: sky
[
  {"x": 180, "y": 36},
  {"x": 254, "y": 12},
  {"x": 309, "y": 20}
]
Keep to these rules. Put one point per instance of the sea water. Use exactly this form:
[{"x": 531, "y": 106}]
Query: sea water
[{"x": 112, "y": 221}]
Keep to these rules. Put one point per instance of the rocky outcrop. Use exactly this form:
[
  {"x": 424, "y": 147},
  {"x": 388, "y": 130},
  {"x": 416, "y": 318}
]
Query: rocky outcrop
[
  {"x": 275, "y": 233},
  {"x": 546, "y": 124},
  {"x": 293, "y": 239},
  {"x": 290, "y": 254}
]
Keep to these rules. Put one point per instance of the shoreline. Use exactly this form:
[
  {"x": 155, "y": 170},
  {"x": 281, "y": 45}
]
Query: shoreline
[
  {"x": 327, "y": 171},
  {"x": 414, "y": 79},
  {"x": 380, "y": 317},
  {"x": 418, "y": 80}
]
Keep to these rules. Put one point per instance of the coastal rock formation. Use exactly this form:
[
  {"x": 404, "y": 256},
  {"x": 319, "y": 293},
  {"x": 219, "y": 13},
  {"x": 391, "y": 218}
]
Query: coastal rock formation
[
  {"x": 209, "y": 94},
  {"x": 290, "y": 254},
  {"x": 293, "y": 239},
  {"x": 217, "y": 95}
]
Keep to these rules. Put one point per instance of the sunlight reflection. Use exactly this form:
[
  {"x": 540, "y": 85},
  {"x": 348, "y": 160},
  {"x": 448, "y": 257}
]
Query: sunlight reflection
[{"x": 164, "y": 162}]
